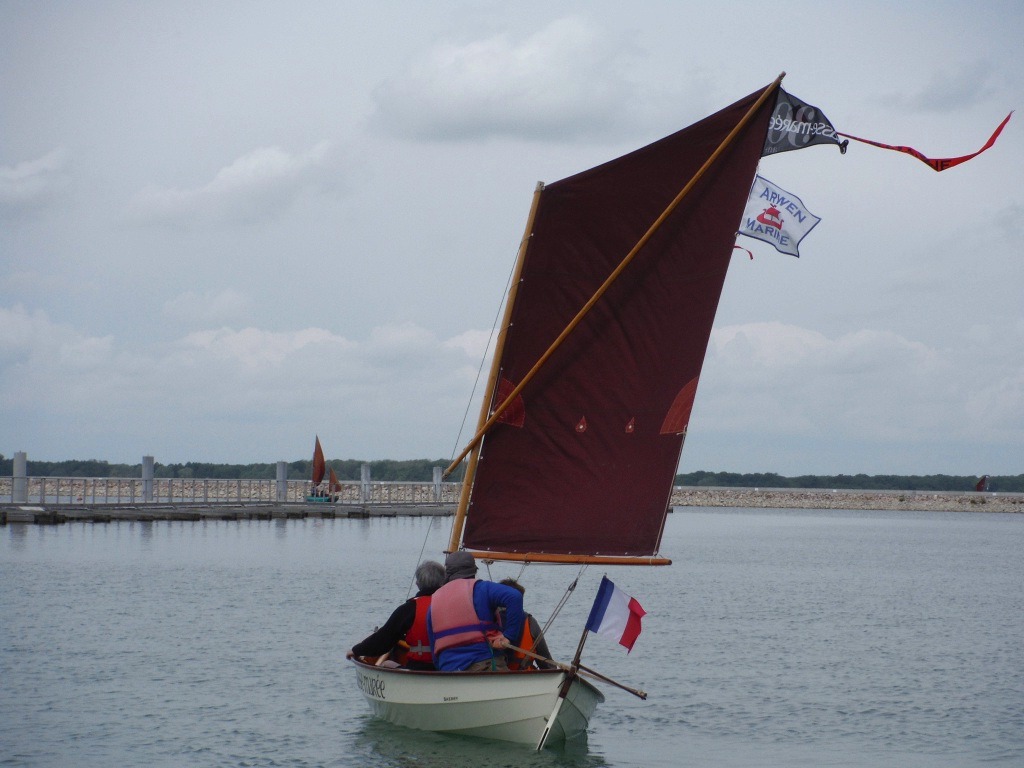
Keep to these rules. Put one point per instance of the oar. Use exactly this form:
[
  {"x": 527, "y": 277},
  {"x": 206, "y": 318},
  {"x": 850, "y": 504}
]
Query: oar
[
  {"x": 635, "y": 691},
  {"x": 586, "y": 670},
  {"x": 532, "y": 655}
]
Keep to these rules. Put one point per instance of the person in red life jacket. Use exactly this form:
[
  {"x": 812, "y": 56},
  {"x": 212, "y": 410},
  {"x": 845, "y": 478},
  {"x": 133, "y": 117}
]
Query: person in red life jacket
[
  {"x": 531, "y": 640},
  {"x": 462, "y": 621},
  {"x": 408, "y": 623}
]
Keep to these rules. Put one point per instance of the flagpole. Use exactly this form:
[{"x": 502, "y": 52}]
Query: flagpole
[
  {"x": 496, "y": 414},
  {"x": 579, "y": 648}
]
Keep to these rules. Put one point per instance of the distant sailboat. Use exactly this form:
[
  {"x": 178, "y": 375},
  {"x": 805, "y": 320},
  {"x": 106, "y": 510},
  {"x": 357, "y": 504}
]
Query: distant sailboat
[
  {"x": 593, "y": 379},
  {"x": 316, "y": 493},
  {"x": 333, "y": 484}
]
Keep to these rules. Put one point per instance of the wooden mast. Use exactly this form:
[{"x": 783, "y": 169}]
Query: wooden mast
[
  {"x": 496, "y": 414},
  {"x": 467, "y": 484}
]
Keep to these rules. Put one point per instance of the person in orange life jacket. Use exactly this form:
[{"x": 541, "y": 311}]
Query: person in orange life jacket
[
  {"x": 531, "y": 640},
  {"x": 408, "y": 622},
  {"x": 462, "y": 621}
]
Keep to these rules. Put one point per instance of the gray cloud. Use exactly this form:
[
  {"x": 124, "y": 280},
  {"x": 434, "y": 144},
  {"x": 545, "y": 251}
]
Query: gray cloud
[
  {"x": 950, "y": 89},
  {"x": 258, "y": 186},
  {"x": 863, "y": 385},
  {"x": 236, "y": 379},
  {"x": 33, "y": 183},
  {"x": 206, "y": 308},
  {"x": 566, "y": 80}
]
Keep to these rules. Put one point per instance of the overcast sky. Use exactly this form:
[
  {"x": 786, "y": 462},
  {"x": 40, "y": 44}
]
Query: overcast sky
[{"x": 227, "y": 227}]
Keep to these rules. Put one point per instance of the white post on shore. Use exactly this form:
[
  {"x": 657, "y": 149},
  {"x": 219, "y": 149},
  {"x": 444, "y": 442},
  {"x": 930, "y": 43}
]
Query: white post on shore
[
  {"x": 437, "y": 483},
  {"x": 147, "y": 478},
  {"x": 20, "y": 477},
  {"x": 364, "y": 483},
  {"x": 282, "y": 481}
]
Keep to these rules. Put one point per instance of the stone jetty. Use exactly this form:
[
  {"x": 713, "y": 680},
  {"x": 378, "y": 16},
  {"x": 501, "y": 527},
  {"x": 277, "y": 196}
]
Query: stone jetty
[
  {"x": 816, "y": 498},
  {"x": 683, "y": 497}
]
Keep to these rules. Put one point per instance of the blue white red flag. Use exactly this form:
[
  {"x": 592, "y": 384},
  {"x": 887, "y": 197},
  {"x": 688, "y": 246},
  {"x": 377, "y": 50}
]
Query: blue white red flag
[
  {"x": 777, "y": 217},
  {"x": 616, "y": 615}
]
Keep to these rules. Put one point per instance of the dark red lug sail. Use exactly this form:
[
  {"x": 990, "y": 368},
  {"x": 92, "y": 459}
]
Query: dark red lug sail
[{"x": 585, "y": 463}]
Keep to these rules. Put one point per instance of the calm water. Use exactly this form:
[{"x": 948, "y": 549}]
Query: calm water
[{"x": 778, "y": 638}]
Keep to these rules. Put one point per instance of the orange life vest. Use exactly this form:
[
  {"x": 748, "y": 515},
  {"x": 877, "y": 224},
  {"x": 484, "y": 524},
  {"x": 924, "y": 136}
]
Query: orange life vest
[
  {"x": 453, "y": 618},
  {"x": 417, "y": 638},
  {"x": 520, "y": 660}
]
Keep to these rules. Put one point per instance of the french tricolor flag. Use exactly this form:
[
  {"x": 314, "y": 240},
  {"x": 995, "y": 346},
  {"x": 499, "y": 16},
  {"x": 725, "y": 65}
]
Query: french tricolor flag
[{"x": 616, "y": 615}]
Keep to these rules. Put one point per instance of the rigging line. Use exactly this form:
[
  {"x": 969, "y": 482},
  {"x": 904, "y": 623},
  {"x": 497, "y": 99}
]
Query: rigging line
[
  {"x": 430, "y": 523},
  {"x": 479, "y": 372},
  {"x": 563, "y": 601},
  {"x": 483, "y": 360}
]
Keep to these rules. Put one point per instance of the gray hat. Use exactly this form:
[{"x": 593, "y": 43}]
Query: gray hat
[{"x": 459, "y": 565}]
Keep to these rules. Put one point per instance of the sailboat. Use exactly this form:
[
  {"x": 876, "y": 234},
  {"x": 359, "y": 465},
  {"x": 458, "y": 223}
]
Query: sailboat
[
  {"x": 317, "y": 495},
  {"x": 594, "y": 375},
  {"x": 333, "y": 484}
]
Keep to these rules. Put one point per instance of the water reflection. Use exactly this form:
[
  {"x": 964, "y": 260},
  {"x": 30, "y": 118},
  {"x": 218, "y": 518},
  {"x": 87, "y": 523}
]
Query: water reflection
[
  {"x": 18, "y": 536},
  {"x": 386, "y": 745},
  {"x": 146, "y": 531}
]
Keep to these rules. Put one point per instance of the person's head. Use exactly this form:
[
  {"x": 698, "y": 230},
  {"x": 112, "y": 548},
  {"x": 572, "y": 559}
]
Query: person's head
[
  {"x": 459, "y": 565},
  {"x": 429, "y": 576},
  {"x": 515, "y": 585}
]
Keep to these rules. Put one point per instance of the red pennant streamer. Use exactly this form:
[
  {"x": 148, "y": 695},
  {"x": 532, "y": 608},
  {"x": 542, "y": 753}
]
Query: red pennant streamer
[{"x": 936, "y": 164}]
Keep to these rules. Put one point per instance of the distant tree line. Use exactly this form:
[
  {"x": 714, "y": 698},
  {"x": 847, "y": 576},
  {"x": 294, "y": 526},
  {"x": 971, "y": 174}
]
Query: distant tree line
[
  {"x": 996, "y": 483},
  {"x": 416, "y": 470}
]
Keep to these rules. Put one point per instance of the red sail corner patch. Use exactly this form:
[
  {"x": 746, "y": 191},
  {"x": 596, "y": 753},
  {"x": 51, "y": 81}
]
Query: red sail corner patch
[{"x": 678, "y": 416}]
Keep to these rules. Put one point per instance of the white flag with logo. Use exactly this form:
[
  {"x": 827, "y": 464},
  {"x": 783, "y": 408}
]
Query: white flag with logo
[{"x": 777, "y": 217}]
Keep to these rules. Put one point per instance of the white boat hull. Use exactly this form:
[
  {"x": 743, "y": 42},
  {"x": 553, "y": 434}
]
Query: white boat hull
[{"x": 509, "y": 706}]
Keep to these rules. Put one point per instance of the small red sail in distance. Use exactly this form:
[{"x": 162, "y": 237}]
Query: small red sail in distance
[{"x": 319, "y": 465}]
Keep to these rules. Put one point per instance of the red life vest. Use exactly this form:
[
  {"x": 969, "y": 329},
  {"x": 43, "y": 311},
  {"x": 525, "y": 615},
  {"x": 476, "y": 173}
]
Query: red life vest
[
  {"x": 417, "y": 637},
  {"x": 453, "y": 617}
]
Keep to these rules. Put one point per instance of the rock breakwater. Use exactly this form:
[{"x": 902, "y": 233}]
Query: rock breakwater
[{"x": 816, "y": 498}]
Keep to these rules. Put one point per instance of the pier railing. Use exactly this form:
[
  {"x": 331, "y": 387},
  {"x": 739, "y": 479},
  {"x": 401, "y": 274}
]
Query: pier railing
[
  {"x": 125, "y": 490},
  {"x": 71, "y": 492}
]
